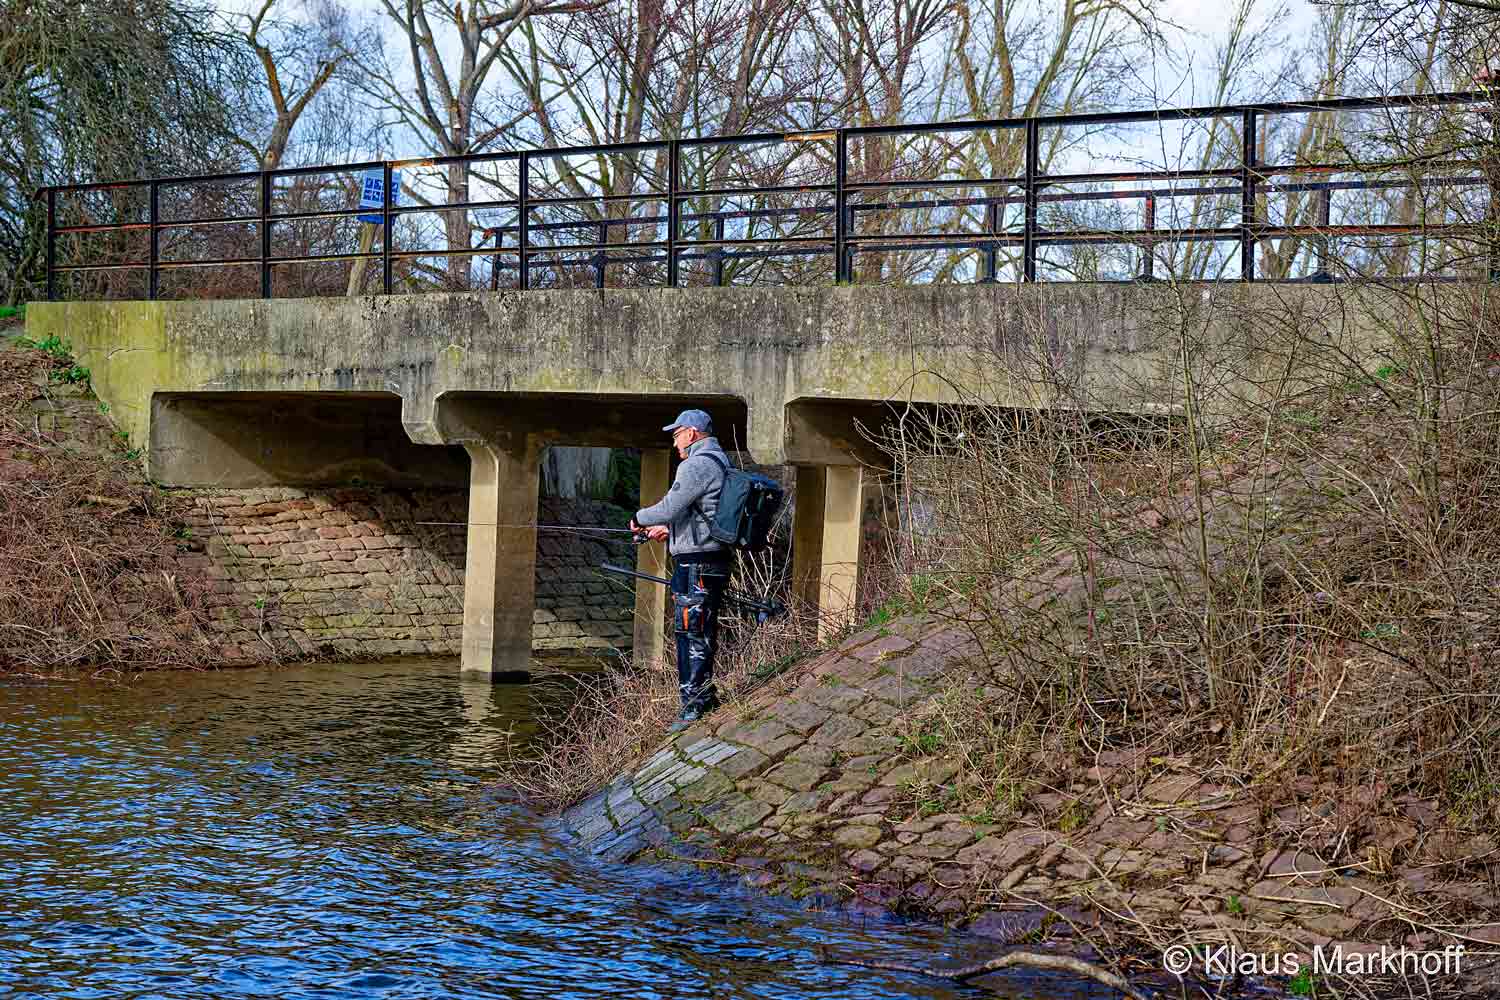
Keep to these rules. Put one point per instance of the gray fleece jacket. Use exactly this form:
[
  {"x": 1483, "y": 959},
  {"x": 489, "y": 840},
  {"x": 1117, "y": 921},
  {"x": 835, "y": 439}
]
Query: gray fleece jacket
[{"x": 697, "y": 486}]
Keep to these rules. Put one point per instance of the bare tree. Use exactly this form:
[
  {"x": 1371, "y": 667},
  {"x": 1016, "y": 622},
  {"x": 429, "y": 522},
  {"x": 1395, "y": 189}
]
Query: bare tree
[
  {"x": 444, "y": 103},
  {"x": 297, "y": 57},
  {"x": 651, "y": 69}
]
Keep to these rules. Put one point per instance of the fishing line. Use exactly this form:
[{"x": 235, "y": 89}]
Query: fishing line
[{"x": 538, "y": 527}]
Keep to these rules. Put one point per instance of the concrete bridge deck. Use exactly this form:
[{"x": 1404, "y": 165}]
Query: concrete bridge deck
[{"x": 322, "y": 391}]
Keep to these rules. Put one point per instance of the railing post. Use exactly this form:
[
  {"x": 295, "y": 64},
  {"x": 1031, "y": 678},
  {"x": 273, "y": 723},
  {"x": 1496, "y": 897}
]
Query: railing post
[
  {"x": 841, "y": 259},
  {"x": 51, "y": 244},
  {"x": 153, "y": 244},
  {"x": 718, "y": 253},
  {"x": 495, "y": 260},
  {"x": 673, "y": 183},
  {"x": 387, "y": 225},
  {"x": 1029, "y": 224},
  {"x": 992, "y": 252},
  {"x": 1325, "y": 242},
  {"x": 1492, "y": 174},
  {"x": 1247, "y": 196},
  {"x": 265, "y": 234},
  {"x": 523, "y": 210},
  {"x": 601, "y": 258},
  {"x": 1148, "y": 246}
]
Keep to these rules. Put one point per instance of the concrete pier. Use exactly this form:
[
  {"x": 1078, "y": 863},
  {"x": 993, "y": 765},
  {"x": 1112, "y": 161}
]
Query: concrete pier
[
  {"x": 651, "y": 598},
  {"x": 500, "y": 561}
]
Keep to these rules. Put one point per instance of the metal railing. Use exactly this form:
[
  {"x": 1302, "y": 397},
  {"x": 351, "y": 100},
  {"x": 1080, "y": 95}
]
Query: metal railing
[{"x": 1250, "y": 179}]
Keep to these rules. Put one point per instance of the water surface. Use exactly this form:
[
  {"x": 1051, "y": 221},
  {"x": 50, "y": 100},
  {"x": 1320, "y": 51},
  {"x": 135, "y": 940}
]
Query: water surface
[{"x": 330, "y": 831}]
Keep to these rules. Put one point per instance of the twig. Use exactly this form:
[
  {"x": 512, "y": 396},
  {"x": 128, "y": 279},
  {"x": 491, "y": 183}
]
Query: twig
[
  {"x": 1336, "y": 689},
  {"x": 1028, "y": 959}
]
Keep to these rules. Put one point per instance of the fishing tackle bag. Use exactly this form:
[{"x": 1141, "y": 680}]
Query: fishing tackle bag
[{"x": 748, "y": 503}]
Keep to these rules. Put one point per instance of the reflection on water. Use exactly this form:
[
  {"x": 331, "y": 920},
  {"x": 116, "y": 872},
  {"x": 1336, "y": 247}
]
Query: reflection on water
[{"x": 326, "y": 832}]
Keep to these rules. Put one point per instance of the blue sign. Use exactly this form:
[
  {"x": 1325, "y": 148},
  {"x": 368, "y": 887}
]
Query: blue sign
[{"x": 372, "y": 193}]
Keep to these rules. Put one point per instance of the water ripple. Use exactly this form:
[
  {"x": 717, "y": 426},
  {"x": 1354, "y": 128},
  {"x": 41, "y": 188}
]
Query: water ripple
[{"x": 325, "y": 833}]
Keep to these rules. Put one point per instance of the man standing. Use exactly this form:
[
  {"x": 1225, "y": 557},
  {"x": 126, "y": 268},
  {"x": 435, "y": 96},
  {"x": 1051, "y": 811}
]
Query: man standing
[{"x": 700, "y": 565}]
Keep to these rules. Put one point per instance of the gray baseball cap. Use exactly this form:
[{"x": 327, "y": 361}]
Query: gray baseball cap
[{"x": 696, "y": 419}]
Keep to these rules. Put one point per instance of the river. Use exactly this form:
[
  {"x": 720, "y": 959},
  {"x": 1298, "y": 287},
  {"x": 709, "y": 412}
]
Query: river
[{"x": 333, "y": 831}]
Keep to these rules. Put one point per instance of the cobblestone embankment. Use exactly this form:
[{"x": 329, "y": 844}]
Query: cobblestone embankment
[{"x": 809, "y": 788}]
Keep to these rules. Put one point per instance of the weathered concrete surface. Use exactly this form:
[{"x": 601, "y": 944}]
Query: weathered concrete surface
[
  {"x": 651, "y": 559},
  {"x": 793, "y": 375},
  {"x": 309, "y": 439},
  {"x": 500, "y": 552},
  {"x": 777, "y": 365}
]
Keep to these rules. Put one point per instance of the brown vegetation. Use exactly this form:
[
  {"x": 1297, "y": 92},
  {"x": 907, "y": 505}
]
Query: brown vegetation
[
  {"x": 85, "y": 543},
  {"x": 1293, "y": 583},
  {"x": 617, "y": 717}
]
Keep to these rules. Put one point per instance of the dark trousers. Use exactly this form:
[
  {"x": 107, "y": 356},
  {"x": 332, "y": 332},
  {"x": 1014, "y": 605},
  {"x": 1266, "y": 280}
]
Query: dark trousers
[{"x": 697, "y": 591}]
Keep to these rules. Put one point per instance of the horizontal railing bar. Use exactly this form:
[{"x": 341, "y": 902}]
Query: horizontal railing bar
[
  {"x": 1266, "y": 170},
  {"x": 602, "y": 199},
  {"x": 495, "y": 156},
  {"x": 906, "y": 185},
  {"x": 1182, "y": 114},
  {"x": 749, "y": 241},
  {"x": 128, "y": 266},
  {"x": 323, "y": 168},
  {"x": 212, "y": 262},
  {"x": 821, "y": 209},
  {"x": 809, "y": 135},
  {"x": 104, "y": 227},
  {"x": 212, "y": 220},
  {"x": 553, "y": 152},
  {"x": 1143, "y": 175},
  {"x": 1043, "y": 121}
]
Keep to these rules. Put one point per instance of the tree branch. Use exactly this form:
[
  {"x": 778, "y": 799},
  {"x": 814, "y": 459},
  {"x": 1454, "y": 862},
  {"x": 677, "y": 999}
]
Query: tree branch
[{"x": 1028, "y": 959}]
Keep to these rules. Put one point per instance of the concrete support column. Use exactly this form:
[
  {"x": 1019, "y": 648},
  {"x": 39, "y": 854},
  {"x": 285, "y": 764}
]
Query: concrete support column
[
  {"x": 807, "y": 538},
  {"x": 843, "y": 507},
  {"x": 651, "y": 598},
  {"x": 500, "y": 561}
]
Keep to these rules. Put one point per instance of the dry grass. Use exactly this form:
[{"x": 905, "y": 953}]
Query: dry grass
[
  {"x": 619, "y": 717},
  {"x": 85, "y": 549},
  {"x": 1302, "y": 583}
]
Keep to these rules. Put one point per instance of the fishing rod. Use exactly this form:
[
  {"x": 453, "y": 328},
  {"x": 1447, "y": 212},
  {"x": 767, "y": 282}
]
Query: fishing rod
[
  {"x": 538, "y": 527},
  {"x": 764, "y": 610}
]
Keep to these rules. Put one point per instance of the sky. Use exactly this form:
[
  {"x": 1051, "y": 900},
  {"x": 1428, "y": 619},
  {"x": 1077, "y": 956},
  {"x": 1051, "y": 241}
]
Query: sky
[{"x": 1201, "y": 23}]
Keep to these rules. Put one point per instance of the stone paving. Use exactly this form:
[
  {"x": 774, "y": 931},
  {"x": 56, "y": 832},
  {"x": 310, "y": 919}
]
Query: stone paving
[{"x": 808, "y": 788}]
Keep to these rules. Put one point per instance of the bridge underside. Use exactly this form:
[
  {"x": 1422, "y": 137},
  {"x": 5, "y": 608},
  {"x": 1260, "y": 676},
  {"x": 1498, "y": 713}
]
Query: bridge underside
[
  {"x": 251, "y": 439},
  {"x": 448, "y": 390}
]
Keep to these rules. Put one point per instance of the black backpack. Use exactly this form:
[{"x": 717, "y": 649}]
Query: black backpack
[{"x": 748, "y": 503}]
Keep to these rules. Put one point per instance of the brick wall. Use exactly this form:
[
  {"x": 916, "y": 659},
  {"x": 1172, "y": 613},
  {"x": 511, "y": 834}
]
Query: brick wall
[
  {"x": 349, "y": 572},
  {"x": 354, "y": 572},
  {"x": 357, "y": 572}
]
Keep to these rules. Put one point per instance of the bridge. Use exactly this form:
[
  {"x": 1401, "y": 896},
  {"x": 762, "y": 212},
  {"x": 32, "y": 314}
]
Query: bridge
[{"x": 385, "y": 388}]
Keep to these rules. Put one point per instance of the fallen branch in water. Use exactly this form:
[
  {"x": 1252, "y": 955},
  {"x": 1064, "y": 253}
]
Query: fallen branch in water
[{"x": 1029, "y": 959}]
